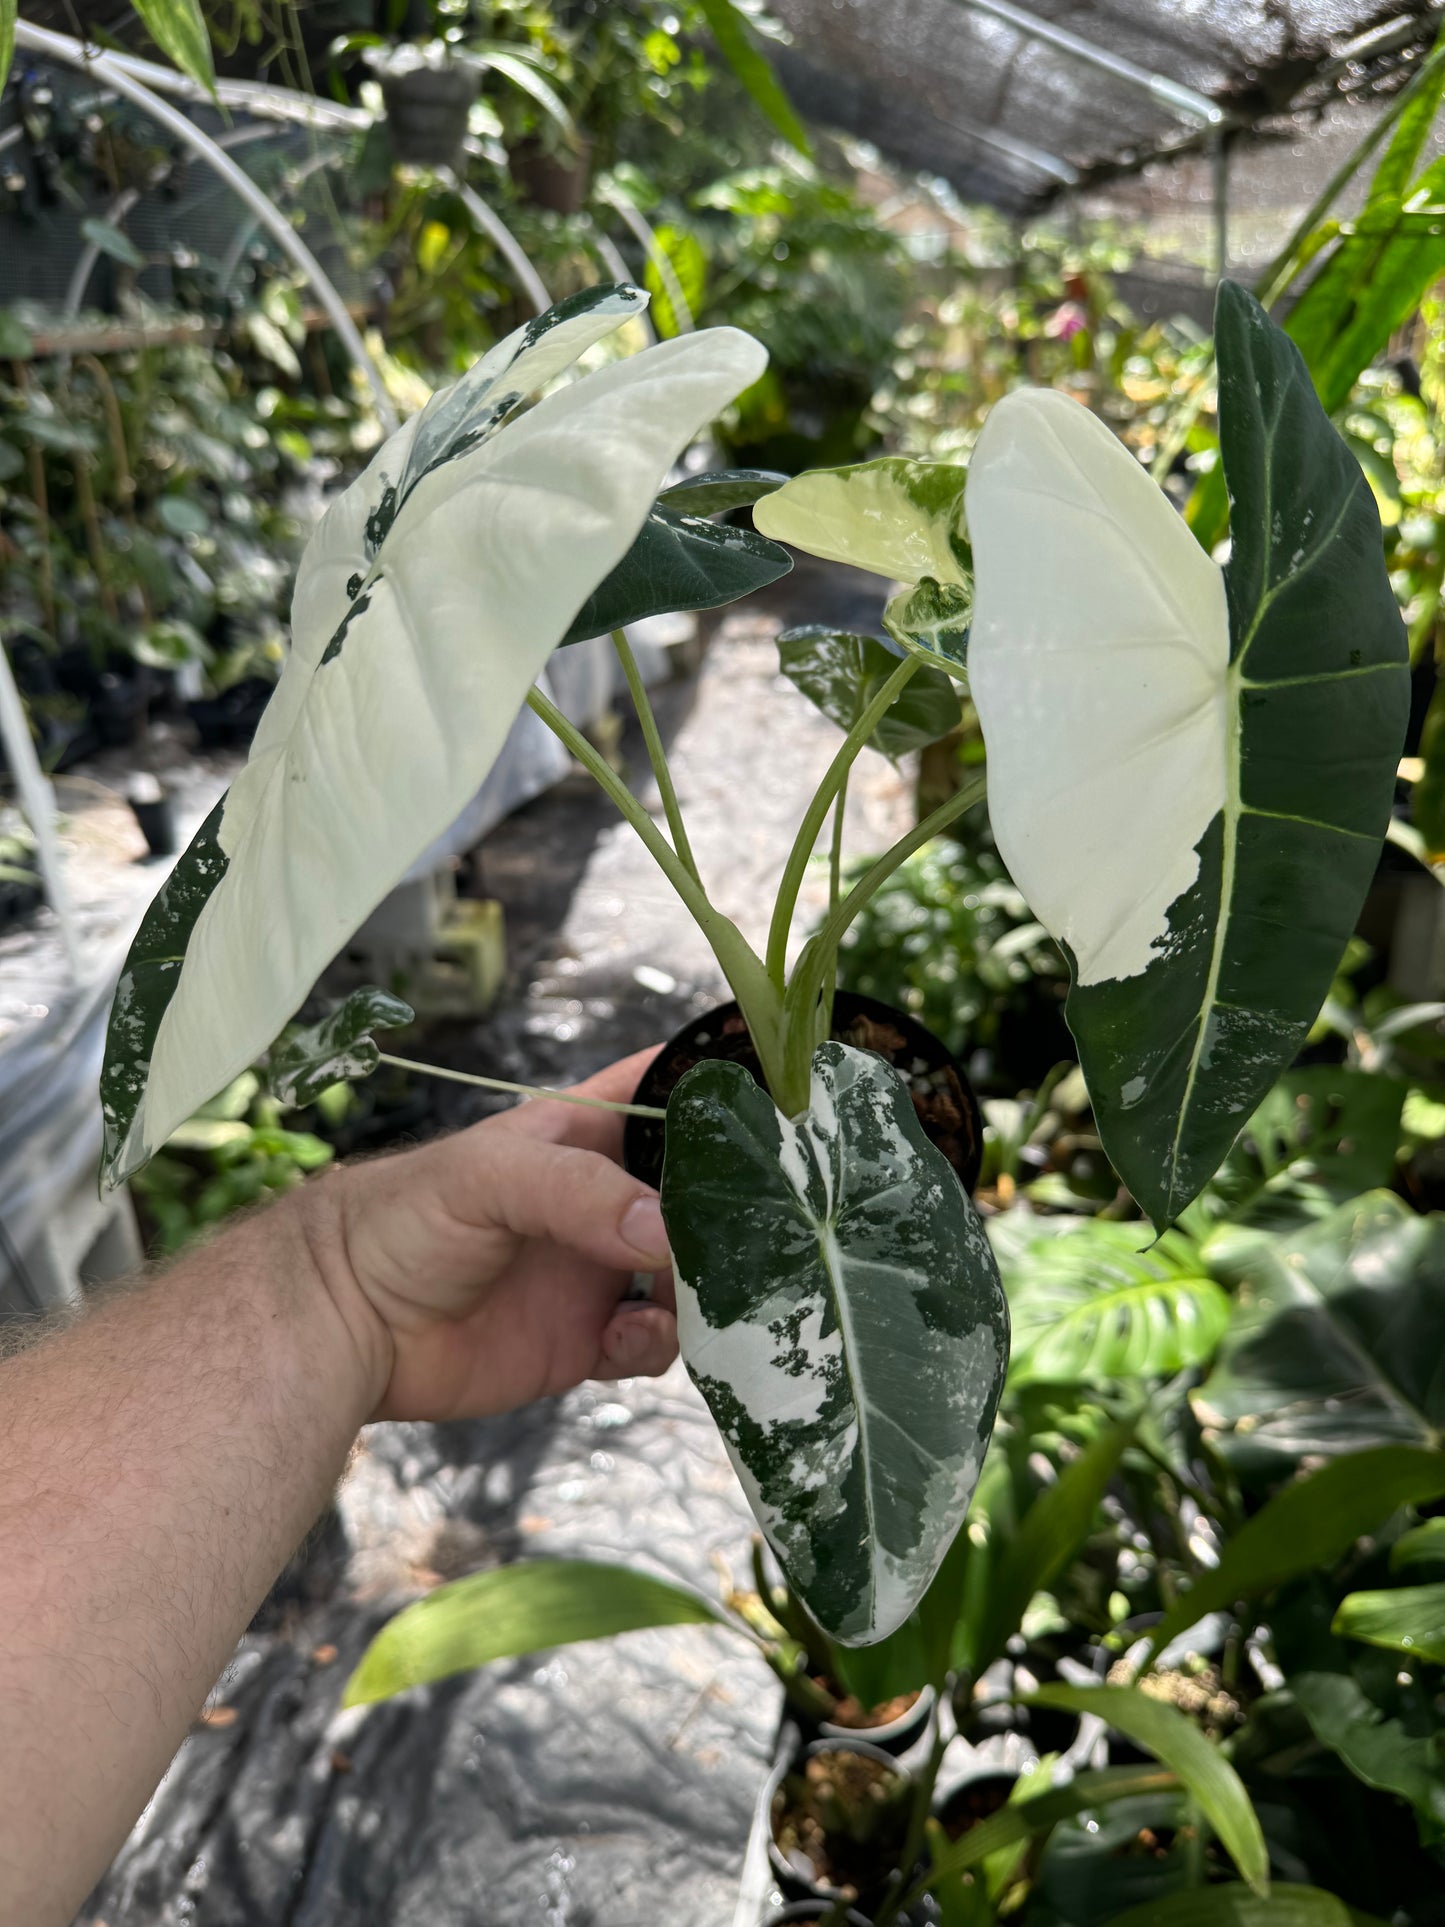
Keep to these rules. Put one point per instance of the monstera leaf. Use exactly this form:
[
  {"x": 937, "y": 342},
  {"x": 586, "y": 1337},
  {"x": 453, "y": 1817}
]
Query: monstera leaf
[
  {"x": 839, "y": 1308},
  {"x": 1190, "y": 770},
  {"x": 427, "y": 603},
  {"x": 840, "y": 673}
]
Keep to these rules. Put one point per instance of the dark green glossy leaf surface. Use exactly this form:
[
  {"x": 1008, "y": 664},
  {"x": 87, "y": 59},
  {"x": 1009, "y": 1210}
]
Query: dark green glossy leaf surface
[
  {"x": 1085, "y": 1793},
  {"x": 840, "y": 673},
  {"x": 1338, "y": 1340},
  {"x": 679, "y": 562},
  {"x": 839, "y": 1309},
  {"x": 517, "y": 1609},
  {"x": 1405, "y": 1619},
  {"x": 1421, "y": 1549},
  {"x": 1386, "y": 1750},
  {"x": 149, "y": 977},
  {"x": 1306, "y": 1526},
  {"x": 1317, "y": 694},
  {"x": 340, "y": 1047},
  {"x": 932, "y": 618},
  {"x": 1174, "y": 1739},
  {"x": 720, "y": 490},
  {"x": 1103, "y": 1301}
]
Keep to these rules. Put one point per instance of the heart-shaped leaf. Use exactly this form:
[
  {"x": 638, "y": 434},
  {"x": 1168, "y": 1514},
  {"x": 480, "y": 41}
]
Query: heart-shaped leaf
[
  {"x": 1338, "y": 1338},
  {"x": 894, "y": 517},
  {"x": 840, "y": 673},
  {"x": 720, "y": 490},
  {"x": 839, "y": 1308},
  {"x": 340, "y": 1047},
  {"x": 679, "y": 562},
  {"x": 1189, "y": 771},
  {"x": 933, "y": 619},
  {"x": 427, "y": 603}
]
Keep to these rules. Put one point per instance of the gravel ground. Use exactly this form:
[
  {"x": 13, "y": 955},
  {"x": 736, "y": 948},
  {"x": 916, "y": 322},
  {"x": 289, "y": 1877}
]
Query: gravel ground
[{"x": 600, "y": 1786}]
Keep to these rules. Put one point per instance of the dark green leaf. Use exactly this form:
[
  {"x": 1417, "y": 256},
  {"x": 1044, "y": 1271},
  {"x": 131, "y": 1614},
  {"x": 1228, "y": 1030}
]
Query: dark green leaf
[
  {"x": 840, "y": 673},
  {"x": 1338, "y": 1339},
  {"x": 932, "y": 618},
  {"x": 1422, "y": 1546},
  {"x": 719, "y": 490},
  {"x": 9, "y": 10},
  {"x": 1407, "y": 1619},
  {"x": 1177, "y": 1057},
  {"x": 679, "y": 562},
  {"x": 517, "y": 1609},
  {"x": 1085, "y": 1793},
  {"x": 302, "y": 1065},
  {"x": 1050, "y": 1534},
  {"x": 1283, "y": 1906},
  {"x": 178, "y": 27},
  {"x": 1309, "y": 1524},
  {"x": 1172, "y": 1737},
  {"x": 1105, "y": 1302},
  {"x": 111, "y": 240},
  {"x": 839, "y": 1309},
  {"x": 1378, "y": 1750},
  {"x": 738, "y": 45}
]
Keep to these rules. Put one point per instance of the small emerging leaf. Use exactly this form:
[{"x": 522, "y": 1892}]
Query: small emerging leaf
[
  {"x": 340, "y": 1047},
  {"x": 933, "y": 619},
  {"x": 840, "y": 673},
  {"x": 839, "y": 1308}
]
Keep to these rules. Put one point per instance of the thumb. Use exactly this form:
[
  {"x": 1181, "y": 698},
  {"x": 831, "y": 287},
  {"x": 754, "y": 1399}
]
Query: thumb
[{"x": 572, "y": 1197}]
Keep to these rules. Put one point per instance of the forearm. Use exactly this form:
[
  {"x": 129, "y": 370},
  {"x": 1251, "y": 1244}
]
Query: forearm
[{"x": 159, "y": 1463}]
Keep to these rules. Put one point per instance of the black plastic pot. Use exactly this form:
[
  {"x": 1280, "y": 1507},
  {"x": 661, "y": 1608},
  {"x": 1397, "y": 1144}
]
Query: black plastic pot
[
  {"x": 942, "y": 1094},
  {"x": 19, "y": 901},
  {"x": 973, "y": 1801},
  {"x": 794, "y": 1882},
  {"x": 228, "y": 721},
  {"x": 426, "y": 113},
  {"x": 558, "y": 182},
  {"x": 158, "y": 824}
]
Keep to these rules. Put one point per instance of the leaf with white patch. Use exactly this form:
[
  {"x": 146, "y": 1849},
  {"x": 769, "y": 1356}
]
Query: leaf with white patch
[
  {"x": 719, "y": 490},
  {"x": 840, "y": 673},
  {"x": 894, "y": 517},
  {"x": 839, "y": 1308},
  {"x": 426, "y": 605},
  {"x": 932, "y": 619},
  {"x": 340, "y": 1047},
  {"x": 1190, "y": 770}
]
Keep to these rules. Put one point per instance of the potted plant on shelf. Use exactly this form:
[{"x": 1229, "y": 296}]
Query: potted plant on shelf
[{"x": 1164, "y": 738}]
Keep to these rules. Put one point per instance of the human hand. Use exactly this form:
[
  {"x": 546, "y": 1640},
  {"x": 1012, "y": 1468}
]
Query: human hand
[{"x": 488, "y": 1269}]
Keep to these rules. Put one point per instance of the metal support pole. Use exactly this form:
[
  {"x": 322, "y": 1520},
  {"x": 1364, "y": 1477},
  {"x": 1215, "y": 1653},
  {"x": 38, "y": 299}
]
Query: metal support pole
[
  {"x": 507, "y": 244},
  {"x": 1172, "y": 93},
  {"x": 112, "y": 73}
]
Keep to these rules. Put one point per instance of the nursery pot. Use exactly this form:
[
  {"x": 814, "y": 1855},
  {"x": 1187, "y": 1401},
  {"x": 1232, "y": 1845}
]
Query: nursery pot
[
  {"x": 426, "y": 113},
  {"x": 941, "y": 1093},
  {"x": 157, "y": 819},
  {"x": 894, "y": 1736},
  {"x": 800, "y": 1876},
  {"x": 228, "y": 721},
  {"x": 558, "y": 182},
  {"x": 972, "y": 1802}
]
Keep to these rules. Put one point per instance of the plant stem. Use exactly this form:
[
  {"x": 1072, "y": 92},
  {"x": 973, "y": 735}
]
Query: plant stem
[
  {"x": 655, "y": 752},
  {"x": 819, "y": 961},
  {"x": 519, "y": 1090},
  {"x": 834, "y": 779},
  {"x": 887, "y": 1914},
  {"x": 835, "y": 855},
  {"x": 759, "y": 1001}
]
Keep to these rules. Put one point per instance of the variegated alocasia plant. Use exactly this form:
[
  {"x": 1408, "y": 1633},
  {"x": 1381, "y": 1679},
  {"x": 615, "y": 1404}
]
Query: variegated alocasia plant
[
  {"x": 1190, "y": 767},
  {"x": 838, "y": 1301}
]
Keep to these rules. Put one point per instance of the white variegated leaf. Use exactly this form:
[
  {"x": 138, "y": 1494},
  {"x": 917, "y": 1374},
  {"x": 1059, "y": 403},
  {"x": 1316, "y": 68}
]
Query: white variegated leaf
[
  {"x": 894, "y": 517},
  {"x": 839, "y": 1308},
  {"x": 428, "y": 604}
]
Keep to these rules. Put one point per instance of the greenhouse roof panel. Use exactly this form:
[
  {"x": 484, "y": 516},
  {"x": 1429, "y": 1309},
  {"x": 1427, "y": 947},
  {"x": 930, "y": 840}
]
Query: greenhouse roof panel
[{"x": 1007, "y": 98}]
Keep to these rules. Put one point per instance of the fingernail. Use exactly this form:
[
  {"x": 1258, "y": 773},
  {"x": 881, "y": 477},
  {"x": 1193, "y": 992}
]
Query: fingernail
[
  {"x": 629, "y": 1341},
  {"x": 644, "y": 1230}
]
